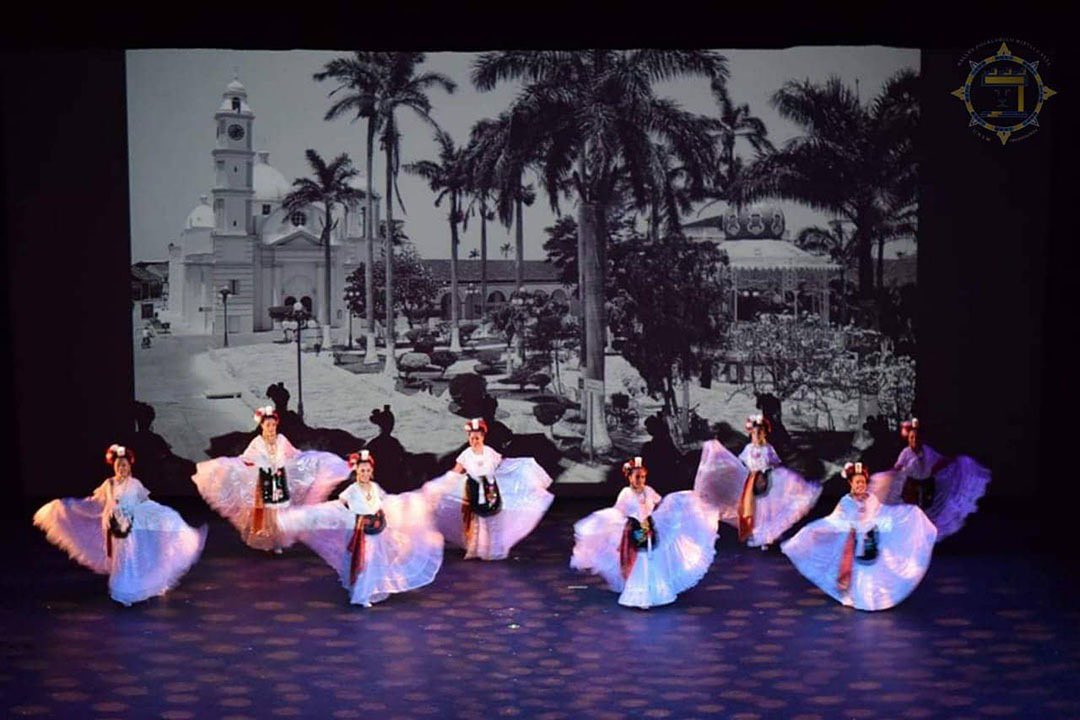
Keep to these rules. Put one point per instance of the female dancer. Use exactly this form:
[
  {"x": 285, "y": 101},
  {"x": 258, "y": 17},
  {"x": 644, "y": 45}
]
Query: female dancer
[
  {"x": 646, "y": 548},
  {"x": 144, "y": 547},
  {"x": 379, "y": 544},
  {"x": 947, "y": 489},
  {"x": 865, "y": 555},
  {"x": 270, "y": 475},
  {"x": 753, "y": 492},
  {"x": 487, "y": 504}
]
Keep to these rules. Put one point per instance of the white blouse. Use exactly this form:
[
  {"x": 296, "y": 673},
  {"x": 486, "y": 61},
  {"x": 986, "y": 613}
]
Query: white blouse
[
  {"x": 759, "y": 458},
  {"x": 260, "y": 454},
  {"x": 637, "y": 505},
  {"x": 479, "y": 464},
  {"x": 858, "y": 513},
  {"x": 124, "y": 496},
  {"x": 920, "y": 465},
  {"x": 355, "y": 499}
]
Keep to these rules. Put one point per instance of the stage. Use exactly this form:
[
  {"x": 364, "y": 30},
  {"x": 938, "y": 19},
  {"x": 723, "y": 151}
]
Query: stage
[{"x": 992, "y": 631}]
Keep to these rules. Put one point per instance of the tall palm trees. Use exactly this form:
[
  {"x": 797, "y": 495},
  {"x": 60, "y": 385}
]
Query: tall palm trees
[
  {"x": 448, "y": 179},
  {"x": 499, "y": 155},
  {"x": 360, "y": 78},
  {"x": 480, "y": 201},
  {"x": 402, "y": 87},
  {"x": 854, "y": 161},
  {"x": 592, "y": 117},
  {"x": 328, "y": 187},
  {"x": 836, "y": 242},
  {"x": 732, "y": 123}
]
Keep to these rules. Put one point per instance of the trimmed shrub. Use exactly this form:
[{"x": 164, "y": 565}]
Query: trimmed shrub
[
  {"x": 413, "y": 361},
  {"x": 443, "y": 359},
  {"x": 490, "y": 357},
  {"x": 467, "y": 391},
  {"x": 540, "y": 380},
  {"x": 547, "y": 414}
]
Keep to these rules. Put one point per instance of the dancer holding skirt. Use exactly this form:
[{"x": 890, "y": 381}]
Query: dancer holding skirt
[
  {"x": 269, "y": 476},
  {"x": 487, "y": 504},
  {"x": 647, "y": 548},
  {"x": 143, "y": 546},
  {"x": 864, "y": 554}
]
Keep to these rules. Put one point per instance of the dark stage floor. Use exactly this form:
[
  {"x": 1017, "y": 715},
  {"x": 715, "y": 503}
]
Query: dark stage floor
[{"x": 248, "y": 635}]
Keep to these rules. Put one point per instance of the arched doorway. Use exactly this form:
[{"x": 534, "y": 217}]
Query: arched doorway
[
  {"x": 472, "y": 306},
  {"x": 306, "y": 302},
  {"x": 289, "y": 301}
]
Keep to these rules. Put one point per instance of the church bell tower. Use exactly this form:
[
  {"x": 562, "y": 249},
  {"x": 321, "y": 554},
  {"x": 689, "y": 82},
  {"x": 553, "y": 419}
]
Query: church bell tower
[{"x": 233, "y": 234}]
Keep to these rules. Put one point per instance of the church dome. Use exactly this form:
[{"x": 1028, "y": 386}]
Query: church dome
[
  {"x": 201, "y": 217},
  {"x": 754, "y": 222},
  {"x": 269, "y": 184}
]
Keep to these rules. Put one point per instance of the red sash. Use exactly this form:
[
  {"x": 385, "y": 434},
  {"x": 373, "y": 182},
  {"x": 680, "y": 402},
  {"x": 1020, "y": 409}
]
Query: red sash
[
  {"x": 627, "y": 552},
  {"x": 356, "y": 549},
  {"x": 746, "y": 507},
  {"x": 258, "y": 519},
  {"x": 467, "y": 517},
  {"x": 847, "y": 560}
]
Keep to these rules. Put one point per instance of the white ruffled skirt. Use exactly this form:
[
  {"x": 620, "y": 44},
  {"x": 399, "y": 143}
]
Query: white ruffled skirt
[
  {"x": 789, "y": 499},
  {"x": 720, "y": 480},
  {"x": 905, "y": 545},
  {"x": 406, "y": 555},
  {"x": 228, "y": 486},
  {"x": 685, "y": 548},
  {"x": 958, "y": 488},
  {"x": 153, "y": 557},
  {"x": 523, "y": 486}
]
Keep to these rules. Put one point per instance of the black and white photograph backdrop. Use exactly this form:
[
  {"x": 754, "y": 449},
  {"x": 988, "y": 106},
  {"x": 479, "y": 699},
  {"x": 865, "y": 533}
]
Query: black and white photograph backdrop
[{"x": 759, "y": 248}]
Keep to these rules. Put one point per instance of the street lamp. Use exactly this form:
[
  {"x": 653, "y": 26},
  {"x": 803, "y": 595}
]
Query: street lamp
[
  {"x": 301, "y": 316},
  {"x": 350, "y": 297},
  {"x": 518, "y": 303},
  {"x": 225, "y": 293}
]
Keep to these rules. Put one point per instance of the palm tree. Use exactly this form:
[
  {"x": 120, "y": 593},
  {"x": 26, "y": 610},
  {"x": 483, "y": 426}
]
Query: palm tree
[
  {"x": 480, "y": 190},
  {"x": 402, "y": 88},
  {"x": 591, "y": 117},
  {"x": 834, "y": 241},
  {"x": 328, "y": 186},
  {"x": 360, "y": 79},
  {"x": 473, "y": 254},
  {"x": 505, "y": 249},
  {"x": 733, "y": 122},
  {"x": 500, "y": 157},
  {"x": 674, "y": 189},
  {"x": 854, "y": 161},
  {"x": 447, "y": 179}
]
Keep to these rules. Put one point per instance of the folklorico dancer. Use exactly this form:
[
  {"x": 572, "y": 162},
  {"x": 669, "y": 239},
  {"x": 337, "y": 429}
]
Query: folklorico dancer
[
  {"x": 269, "y": 476},
  {"x": 864, "y": 554},
  {"x": 647, "y": 548},
  {"x": 753, "y": 492},
  {"x": 144, "y": 547},
  {"x": 947, "y": 489},
  {"x": 378, "y": 543},
  {"x": 487, "y": 504}
]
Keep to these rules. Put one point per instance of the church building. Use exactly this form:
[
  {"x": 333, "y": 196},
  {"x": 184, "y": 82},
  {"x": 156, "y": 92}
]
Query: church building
[{"x": 240, "y": 237}]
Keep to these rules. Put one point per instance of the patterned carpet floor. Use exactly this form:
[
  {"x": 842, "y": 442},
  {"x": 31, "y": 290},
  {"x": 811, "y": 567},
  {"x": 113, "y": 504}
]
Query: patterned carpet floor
[{"x": 251, "y": 635}]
